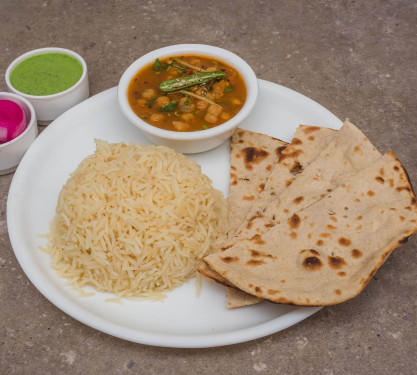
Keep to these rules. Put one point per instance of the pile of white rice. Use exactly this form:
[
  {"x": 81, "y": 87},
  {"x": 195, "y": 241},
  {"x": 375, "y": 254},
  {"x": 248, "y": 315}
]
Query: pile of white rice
[{"x": 135, "y": 220}]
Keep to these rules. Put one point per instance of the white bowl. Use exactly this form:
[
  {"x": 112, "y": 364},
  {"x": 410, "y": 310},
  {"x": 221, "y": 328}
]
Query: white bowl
[
  {"x": 49, "y": 107},
  {"x": 197, "y": 141},
  {"x": 12, "y": 152}
]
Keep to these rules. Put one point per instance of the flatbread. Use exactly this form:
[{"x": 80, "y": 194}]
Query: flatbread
[
  {"x": 349, "y": 152},
  {"x": 252, "y": 158},
  {"x": 307, "y": 143},
  {"x": 328, "y": 252}
]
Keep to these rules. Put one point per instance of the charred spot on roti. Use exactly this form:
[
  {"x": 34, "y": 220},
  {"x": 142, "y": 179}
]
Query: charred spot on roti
[
  {"x": 273, "y": 292},
  {"x": 358, "y": 150},
  {"x": 329, "y": 226},
  {"x": 401, "y": 188},
  {"x": 382, "y": 172},
  {"x": 261, "y": 186},
  {"x": 402, "y": 218},
  {"x": 283, "y": 281},
  {"x": 229, "y": 259},
  {"x": 312, "y": 263},
  {"x": 234, "y": 182},
  {"x": 413, "y": 201},
  {"x": 288, "y": 182},
  {"x": 320, "y": 243},
  {"x": 391, "y": 182},
  {"x": 396, "y": 168},
  {"x": 341, "y": 273},
  {"x": 258, "y": 289},
  {"x": 297, "y": 168},
  {"x": 298, "y": 199},
  {"x": 311, "y": 138},
  {"x": 233, "y": 168},
  {"x": 296, "y": 141},
  {"x": 268, "y": 167},
  {"x": 333, "y": 218},
  {"x": 379, "y": 179},
  {"x": 279, "y": 150},
  {"x": 261, "y": 254},
  {"x": 325, "y": 235},
  {"x": 344, "y": 241},
  {"x": 310, "y": 129},
  {"x": 338, "y": 292},
  {"x": 309, "y": 235},
  {"x": 336, "y": 262},
  {"x": 359, "y": 218},
  {"x": 403, "y": 240},
  {"x": 290, "y": 155},
  {"x": 269, "y": 225},
  {"x": 293, "y": 235},
  {"x": 359, "y": 227},
  {"x": 356, "y": 253},
  {"x": 257, "y": 239},
  {"x": 253, "y": 155},
  {"x": 294, "y": 221},
  {"x": 357, "y": 200},
  {"x": 255, "y": 262},
  {"x": 226, "y": 247},
  {"x": 249, "y": 198}
]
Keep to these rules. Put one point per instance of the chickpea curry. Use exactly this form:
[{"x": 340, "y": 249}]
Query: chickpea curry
[{"x": 187, "y": 93}]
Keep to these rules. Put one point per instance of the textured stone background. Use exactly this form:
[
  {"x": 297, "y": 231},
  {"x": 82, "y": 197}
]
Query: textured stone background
[{"x": 356, "y": 58}]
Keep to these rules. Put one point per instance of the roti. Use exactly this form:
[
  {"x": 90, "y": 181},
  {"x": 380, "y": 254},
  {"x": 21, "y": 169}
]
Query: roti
[
  {"x": 252, "y": 158},
  {"x": 327, "y": 252}
]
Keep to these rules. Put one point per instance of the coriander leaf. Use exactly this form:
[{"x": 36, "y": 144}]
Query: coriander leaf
[
  {"x": 170, "y": 107},
  {"x": 228, "y": 89},
  {"x": 205, "y": 127},
  {"x": 157, "y": 66},
  {"x": 150, "y": 102}
]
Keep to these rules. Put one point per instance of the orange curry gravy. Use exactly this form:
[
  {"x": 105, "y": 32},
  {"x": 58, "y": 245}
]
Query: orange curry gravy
[{"x": 213, "y": 103}]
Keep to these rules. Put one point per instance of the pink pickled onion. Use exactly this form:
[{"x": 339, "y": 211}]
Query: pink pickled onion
[{"x": 12, "y": 120}]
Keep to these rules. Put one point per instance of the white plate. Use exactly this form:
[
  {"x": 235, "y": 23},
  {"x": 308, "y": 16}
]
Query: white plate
[{"x": 182, "y": 320}]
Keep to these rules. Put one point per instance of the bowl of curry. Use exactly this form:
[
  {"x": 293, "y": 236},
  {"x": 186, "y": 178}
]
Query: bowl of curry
[{"x": 189, "y": 97}]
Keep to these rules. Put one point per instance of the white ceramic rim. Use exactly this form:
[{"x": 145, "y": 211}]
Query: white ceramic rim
[
  {"x": 29, "y": 125},
  {"x": 230, "y": 58},
  {"x": 40, "y": 51}
]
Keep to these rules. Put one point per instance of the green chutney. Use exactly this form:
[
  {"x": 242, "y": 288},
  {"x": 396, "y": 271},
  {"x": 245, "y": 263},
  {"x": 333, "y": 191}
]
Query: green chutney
[{"x": 46, "y": 74}]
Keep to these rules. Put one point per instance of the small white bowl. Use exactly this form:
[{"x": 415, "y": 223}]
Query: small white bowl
[
  {"x": 197, "y": 141},
  {"x": 12, "y": 152},
  {"x": 49, "y": 107}
]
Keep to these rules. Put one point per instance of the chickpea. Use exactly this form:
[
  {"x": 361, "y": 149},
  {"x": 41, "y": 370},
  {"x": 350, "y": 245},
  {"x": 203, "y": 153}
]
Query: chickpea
[
  {"x": 201, "y": 104},
  {"x": 187, "y": 117},
  {"x": 185, "y": 104},
  {"x": 180, "y": 126},
  {"x": 210, "y": 118},
  {"x": 225, "y": 116},
  {"x": 149, "y": 93},
  {"x": 162, "y": 101},
  {"x": 141, "y": 102},
  {"x": 214, "y": 110},
  {"x": 156, "y": 117},
  {"x": 236, "y": 101}
]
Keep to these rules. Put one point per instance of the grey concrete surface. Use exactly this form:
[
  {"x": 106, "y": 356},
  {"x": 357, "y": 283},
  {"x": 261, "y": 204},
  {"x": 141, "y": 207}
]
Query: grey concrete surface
[{"x": 356, "y": 58}]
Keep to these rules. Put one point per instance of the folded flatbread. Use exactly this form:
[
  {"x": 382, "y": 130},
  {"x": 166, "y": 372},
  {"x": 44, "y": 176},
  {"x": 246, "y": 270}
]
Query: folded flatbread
[
  {"x": 252, "y": 158},
  {"x": 307, "y": 143},
  {"x": 327, "y": 252},
  {"x": 347, "y": 153}
]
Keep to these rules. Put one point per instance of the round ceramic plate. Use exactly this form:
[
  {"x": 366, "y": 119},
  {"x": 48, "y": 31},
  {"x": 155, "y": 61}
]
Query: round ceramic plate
[{"x": 182, "y": 319}]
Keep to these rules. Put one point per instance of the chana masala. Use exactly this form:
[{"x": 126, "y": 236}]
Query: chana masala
[{"x": 187, "y": 93}]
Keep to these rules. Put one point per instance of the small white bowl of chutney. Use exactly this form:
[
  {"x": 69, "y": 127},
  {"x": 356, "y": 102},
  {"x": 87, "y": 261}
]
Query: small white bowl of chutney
[{"x": 52, "y": 79}]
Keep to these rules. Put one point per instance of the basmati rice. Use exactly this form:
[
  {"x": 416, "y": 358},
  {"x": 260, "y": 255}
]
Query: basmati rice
[{"x": 135, "y": 220}]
